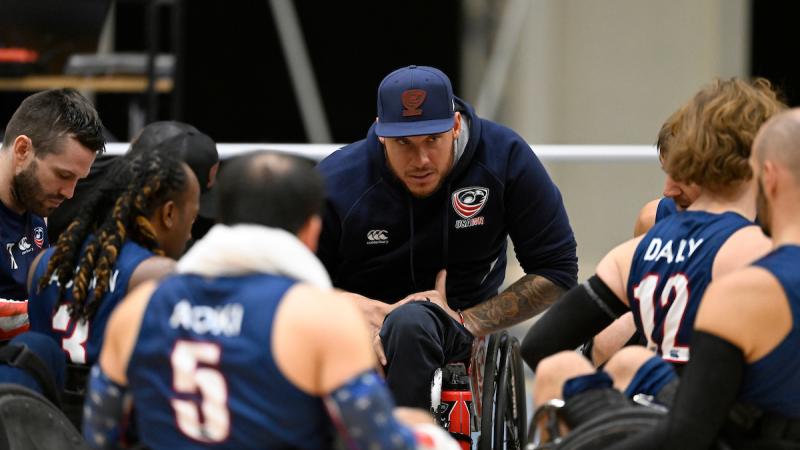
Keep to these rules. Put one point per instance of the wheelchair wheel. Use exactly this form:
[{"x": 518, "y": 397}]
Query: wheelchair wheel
[
  {"x": 509, "y": 412},
  {"x": 503, "y": 424},
  {"x": 609, "y": 428},
  {"x": 490, "y": 373}
]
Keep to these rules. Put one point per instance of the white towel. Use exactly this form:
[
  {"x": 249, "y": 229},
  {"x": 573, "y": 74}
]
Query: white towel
[{"x": 246, "y": 249}]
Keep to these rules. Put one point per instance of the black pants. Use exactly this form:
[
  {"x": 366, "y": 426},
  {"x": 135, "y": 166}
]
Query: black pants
[{"x": 418, "y": 338}]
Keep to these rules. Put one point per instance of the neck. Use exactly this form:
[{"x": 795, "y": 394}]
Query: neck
[
  {"x": 6, "y": 178},
  {"x": 785, "y": 223},
  {"x": 741, "y": 199}
]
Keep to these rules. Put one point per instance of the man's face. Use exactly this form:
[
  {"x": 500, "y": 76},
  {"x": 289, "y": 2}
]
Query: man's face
[
  {"x": 42, "y": 184},
  {"x": 421, "y": 162},
  {"x": 187, "y": 206},
  {"x": 684, "y": 194}
]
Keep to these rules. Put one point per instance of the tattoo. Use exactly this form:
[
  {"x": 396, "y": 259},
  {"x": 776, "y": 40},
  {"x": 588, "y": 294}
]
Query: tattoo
[{"x": 527, "y": 297}]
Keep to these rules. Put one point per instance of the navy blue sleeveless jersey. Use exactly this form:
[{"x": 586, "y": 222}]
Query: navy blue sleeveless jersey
[
  {"x": 202, "y": 372},
  {"x": 666, "y": 207},
  {"x": 48, "y": 314},
  {"x": 670, "y": 271},
  {"x": 23, "y": 236},
  {"x": 773, "y": 382}
]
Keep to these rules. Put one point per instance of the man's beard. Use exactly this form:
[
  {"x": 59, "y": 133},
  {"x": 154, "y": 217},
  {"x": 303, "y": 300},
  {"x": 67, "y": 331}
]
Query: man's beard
[
  {"x": 762, "y": 210},
  {"x": 28, "y": 192}
]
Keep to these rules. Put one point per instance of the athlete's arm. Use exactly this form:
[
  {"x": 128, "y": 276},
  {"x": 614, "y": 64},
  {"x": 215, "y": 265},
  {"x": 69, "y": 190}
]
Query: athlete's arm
[
  {"x": 583, "y": 311},
  {"x": 339, "y": 367},
  {"x": 106, "y": 400},
  {"x": 619, "y": 333},
  {"x": 646, "y": 218}
]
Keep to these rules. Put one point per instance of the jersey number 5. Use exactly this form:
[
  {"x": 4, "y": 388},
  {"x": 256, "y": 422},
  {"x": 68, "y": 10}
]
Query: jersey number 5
[
  {"x": 189, "y": 378},
  {"x": 645, "y": 293}
]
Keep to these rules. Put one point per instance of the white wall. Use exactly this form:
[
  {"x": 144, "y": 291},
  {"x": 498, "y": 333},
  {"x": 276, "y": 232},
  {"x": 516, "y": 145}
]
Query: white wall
[{"x": 610, "y": 72}]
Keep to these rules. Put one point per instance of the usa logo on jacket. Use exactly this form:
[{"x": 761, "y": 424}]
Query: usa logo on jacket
[
  {"x": 38, "y": 236},
  {"x": 467, "y": 203}
]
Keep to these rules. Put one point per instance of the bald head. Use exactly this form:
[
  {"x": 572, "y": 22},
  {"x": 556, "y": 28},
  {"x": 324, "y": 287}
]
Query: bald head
[
  {"x": 271, "y": 189},
  {"x": 778, "y": 140}
]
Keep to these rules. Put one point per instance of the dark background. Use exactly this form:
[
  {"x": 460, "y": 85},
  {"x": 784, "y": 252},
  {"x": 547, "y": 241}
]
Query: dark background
[{"x": 232, "y": 81}]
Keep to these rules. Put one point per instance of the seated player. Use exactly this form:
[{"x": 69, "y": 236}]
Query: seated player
[
  {"x": 247, "y": 346},
  {"x": 677, "y": 197},
  {"x": 662, "y": 276},
  {"x": 131, "y": 229},
  {"x": 743, "y": 381}
]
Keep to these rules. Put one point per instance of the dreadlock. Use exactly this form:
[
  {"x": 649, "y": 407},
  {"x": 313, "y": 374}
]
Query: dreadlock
[{"x": 129, "y": 194}]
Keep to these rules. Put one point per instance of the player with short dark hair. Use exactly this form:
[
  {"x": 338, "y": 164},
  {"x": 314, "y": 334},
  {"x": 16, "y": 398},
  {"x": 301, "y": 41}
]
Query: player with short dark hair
[
  {"x": 49, "y": 144},
  {"x": 247, "y": 346}
]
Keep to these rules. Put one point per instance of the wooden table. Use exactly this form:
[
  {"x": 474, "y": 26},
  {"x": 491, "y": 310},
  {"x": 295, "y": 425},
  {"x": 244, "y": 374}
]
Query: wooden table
[
  {"x": 122, "y": 84},
  {"x": 106, "y": 84}
]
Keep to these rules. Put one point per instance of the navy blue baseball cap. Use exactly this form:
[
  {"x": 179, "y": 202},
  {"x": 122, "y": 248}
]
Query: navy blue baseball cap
[{"x": 414, "y": 101}]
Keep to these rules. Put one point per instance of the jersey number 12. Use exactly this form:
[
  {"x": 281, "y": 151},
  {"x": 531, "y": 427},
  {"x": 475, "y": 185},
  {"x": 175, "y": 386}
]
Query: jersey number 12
[{"x": 677, "y": 288}]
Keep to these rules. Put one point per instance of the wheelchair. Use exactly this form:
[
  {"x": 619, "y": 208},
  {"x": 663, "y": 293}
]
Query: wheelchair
[
  {"x": 487, "y": 398},
  {"x": 600, "y": 431},
  {"x": 29, "y": 421}
]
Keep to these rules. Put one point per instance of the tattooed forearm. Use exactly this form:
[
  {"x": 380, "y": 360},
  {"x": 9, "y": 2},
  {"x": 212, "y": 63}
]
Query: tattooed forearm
[{"x": 527, "y": 297}]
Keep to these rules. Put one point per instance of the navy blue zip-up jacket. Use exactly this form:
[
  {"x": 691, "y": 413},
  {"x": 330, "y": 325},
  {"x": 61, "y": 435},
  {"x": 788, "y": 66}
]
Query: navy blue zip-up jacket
[{"x": 381, "y": 242}]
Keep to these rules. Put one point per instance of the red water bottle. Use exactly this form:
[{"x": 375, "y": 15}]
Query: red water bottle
[{"x": 454, "y": 413}]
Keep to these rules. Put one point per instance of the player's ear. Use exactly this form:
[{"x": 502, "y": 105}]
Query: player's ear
[
  {"x": 769, "y": 175},
  {"x": 309, "y": 232},
  {"x": 22, "y": 149},
  {"x": 167, "y": 214}
]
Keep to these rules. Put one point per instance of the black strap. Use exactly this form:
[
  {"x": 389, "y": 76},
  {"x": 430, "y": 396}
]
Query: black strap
[
  {"x": 22, "y": 357},
  {"x": 754, "y": 422}
]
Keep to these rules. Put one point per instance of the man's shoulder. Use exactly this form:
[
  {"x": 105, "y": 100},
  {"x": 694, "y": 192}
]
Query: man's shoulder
[
  {"x": 503, "y": 150},
  {"x": 350, "y": 157}
]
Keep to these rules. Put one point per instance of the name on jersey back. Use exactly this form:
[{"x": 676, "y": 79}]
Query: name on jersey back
[
  {"x": 658, "y": 250},
  {"x": 223, "y": 320}
]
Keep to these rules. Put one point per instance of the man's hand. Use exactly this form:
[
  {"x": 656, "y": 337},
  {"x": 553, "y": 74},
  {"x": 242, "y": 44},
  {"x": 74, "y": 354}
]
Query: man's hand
[
  {"x": 375, "y": 311},
  {"x": 437, "y": 296}
]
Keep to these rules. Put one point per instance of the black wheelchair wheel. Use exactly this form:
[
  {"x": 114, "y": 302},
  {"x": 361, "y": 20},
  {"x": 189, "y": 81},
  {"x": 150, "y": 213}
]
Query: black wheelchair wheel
[
  {"x": 504, "y": 414},
  {"x": 490, "y": 373},
  {"x": 606, "y": 429},
  {"x": 509, "y": 411}
]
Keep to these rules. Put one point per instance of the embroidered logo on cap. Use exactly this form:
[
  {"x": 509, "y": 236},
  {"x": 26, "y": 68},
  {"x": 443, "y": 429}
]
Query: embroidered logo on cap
[{"x": 412, "y": 99}]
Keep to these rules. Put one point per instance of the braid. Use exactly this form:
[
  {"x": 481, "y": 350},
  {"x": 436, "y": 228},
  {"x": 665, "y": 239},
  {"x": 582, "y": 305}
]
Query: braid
[
  {"x": 68, "y": 247},
  {"x": 98, "y": 260},
  {"x": 155, "y": 178}
]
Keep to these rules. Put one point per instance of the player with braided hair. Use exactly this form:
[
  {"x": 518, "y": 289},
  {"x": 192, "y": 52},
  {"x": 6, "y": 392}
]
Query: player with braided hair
[{"x": 130, "y": 231}]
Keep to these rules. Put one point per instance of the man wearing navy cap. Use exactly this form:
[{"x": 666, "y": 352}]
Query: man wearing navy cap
[{"x": 415, "y": 227}]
